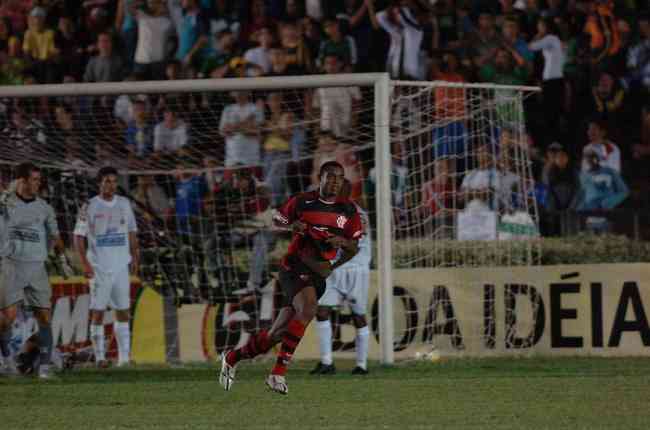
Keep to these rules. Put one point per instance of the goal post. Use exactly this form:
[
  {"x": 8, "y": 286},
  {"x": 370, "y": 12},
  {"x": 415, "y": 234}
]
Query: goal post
[
  {"x": 442, "y": 168},
  {"x": 379, "y": 83},
  {"x": 384, "y": 261}
]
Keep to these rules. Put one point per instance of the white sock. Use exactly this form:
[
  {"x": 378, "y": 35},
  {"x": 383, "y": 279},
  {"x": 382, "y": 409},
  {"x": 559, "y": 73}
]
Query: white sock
[
  {"x": 97, "y": 338},
  {"x": 361, "y": 346},
  {"x": 123, "y": 336},
  {"x": 325, "y": 340}
]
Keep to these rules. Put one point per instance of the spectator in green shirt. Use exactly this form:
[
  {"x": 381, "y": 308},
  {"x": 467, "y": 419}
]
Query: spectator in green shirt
[
  {"x": 509, "y": 68},
  {"x": 338, "y": 45},
  {"x": 217, "y": 66}
]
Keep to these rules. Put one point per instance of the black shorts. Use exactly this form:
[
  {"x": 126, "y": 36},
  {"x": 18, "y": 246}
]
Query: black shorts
[{"x": 297, "y": 277}]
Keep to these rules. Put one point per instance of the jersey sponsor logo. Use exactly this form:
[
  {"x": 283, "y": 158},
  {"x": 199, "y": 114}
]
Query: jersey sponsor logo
[
  {"x": 112, "y": 231},
  {"x": 340, "y": 221},
  {"x": 25, "y": 236},
  {"x": 109, "y": 240}
]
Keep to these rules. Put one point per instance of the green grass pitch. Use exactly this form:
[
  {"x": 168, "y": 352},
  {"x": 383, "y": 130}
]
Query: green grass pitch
[{"x": 566, "y": 393}]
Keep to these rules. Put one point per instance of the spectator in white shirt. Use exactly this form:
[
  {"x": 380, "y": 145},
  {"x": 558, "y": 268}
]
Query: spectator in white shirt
[
  {"x": 337, "y": 104},
  {"x": 550, "y": 44},
  {"x": 261, "y": 55},
  {"x": 608, "y": 153},
  {"x": 480, "y": 183},
  {"x": 240, "y": 125},
  {"x": 406, "y": 35},
  {"x": 170, "y": 135},
  {"x": 154, "y": 33}
]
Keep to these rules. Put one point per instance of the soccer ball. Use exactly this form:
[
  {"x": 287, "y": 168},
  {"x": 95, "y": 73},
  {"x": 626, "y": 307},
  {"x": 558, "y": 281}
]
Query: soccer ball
[{"x": 433, "y": 356}]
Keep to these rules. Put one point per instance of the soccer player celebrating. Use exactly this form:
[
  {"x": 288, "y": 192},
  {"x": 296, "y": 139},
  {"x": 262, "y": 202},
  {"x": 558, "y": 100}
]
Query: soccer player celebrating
[
  {"x": 108, "y": 224},
  {"x": 30, "y": 224},
  {"x": 348, "y": 283},
  {"x": 322, "y": 224}
]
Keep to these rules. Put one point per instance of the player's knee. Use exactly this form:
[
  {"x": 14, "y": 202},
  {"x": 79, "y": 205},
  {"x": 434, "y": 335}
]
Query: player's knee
[
  {"x": 5, "y": 323},
  {"x": 8, "y": 317},
  {"x": 122, "y": 315},
  {"x": 308, "y": 313},
  {"x": 97, "y": 317},
  {"x": 359, "y": 321},
  {"x": 322, "y": 313}
]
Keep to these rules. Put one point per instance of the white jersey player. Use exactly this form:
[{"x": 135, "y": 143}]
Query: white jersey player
[
  {"x": 27, "y": 229},
  {"x": 347, "y": 284},
  {"x": 108, "y": 225}
]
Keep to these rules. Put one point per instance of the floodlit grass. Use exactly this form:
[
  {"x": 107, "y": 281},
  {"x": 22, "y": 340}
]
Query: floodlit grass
[{"x": 571, "y": 393}]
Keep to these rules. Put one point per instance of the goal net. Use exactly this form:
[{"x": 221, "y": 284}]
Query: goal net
[
  {"x": 204, "y": 164},
  {"x": 464, "y": 206}
]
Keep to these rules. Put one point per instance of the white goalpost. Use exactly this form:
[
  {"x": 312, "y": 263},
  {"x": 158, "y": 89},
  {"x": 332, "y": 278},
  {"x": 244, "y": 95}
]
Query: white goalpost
[{"x": 442, "y": 168}]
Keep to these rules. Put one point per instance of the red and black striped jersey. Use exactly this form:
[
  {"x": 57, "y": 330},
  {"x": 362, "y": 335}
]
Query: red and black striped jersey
[{"x": 323, "y": 220}]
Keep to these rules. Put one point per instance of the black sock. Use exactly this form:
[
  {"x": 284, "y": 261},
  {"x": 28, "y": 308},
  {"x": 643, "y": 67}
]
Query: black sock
[{"x": 5, "y": 337}]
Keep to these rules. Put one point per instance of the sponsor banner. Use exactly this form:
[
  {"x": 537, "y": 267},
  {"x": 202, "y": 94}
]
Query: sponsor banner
[
  {"x": 552, "y": 310},
  {"x": 207, "y": 330},
  {"x": 71, "y": 322}
]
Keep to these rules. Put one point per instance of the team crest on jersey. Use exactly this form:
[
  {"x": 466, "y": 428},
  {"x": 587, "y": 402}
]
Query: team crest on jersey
[{"x": 340, "y": 221}]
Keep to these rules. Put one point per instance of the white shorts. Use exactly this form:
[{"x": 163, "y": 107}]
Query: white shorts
[
  {"x": 110, "y": 288},
  {"x": 348, "y": 285}
]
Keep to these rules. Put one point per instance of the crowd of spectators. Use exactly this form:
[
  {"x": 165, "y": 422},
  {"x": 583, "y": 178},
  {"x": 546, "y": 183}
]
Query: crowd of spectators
[{"x": 590, "y": 121}]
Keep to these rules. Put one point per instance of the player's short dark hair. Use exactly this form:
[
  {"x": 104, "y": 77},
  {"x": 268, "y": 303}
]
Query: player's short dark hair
[
  {"x": 24, "y": 170},
  {"x": 105, "y": 171},
  {"x": 329, "y": 165}
]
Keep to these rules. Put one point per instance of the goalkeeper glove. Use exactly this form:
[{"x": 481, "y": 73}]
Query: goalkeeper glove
[
  {"x": 65, "y": 269},
  {"x": 4, "y": 204}
]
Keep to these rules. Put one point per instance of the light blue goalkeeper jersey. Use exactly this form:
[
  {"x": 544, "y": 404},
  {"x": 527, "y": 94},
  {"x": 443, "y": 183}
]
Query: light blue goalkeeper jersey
[{"x": 30, "y": 226}]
